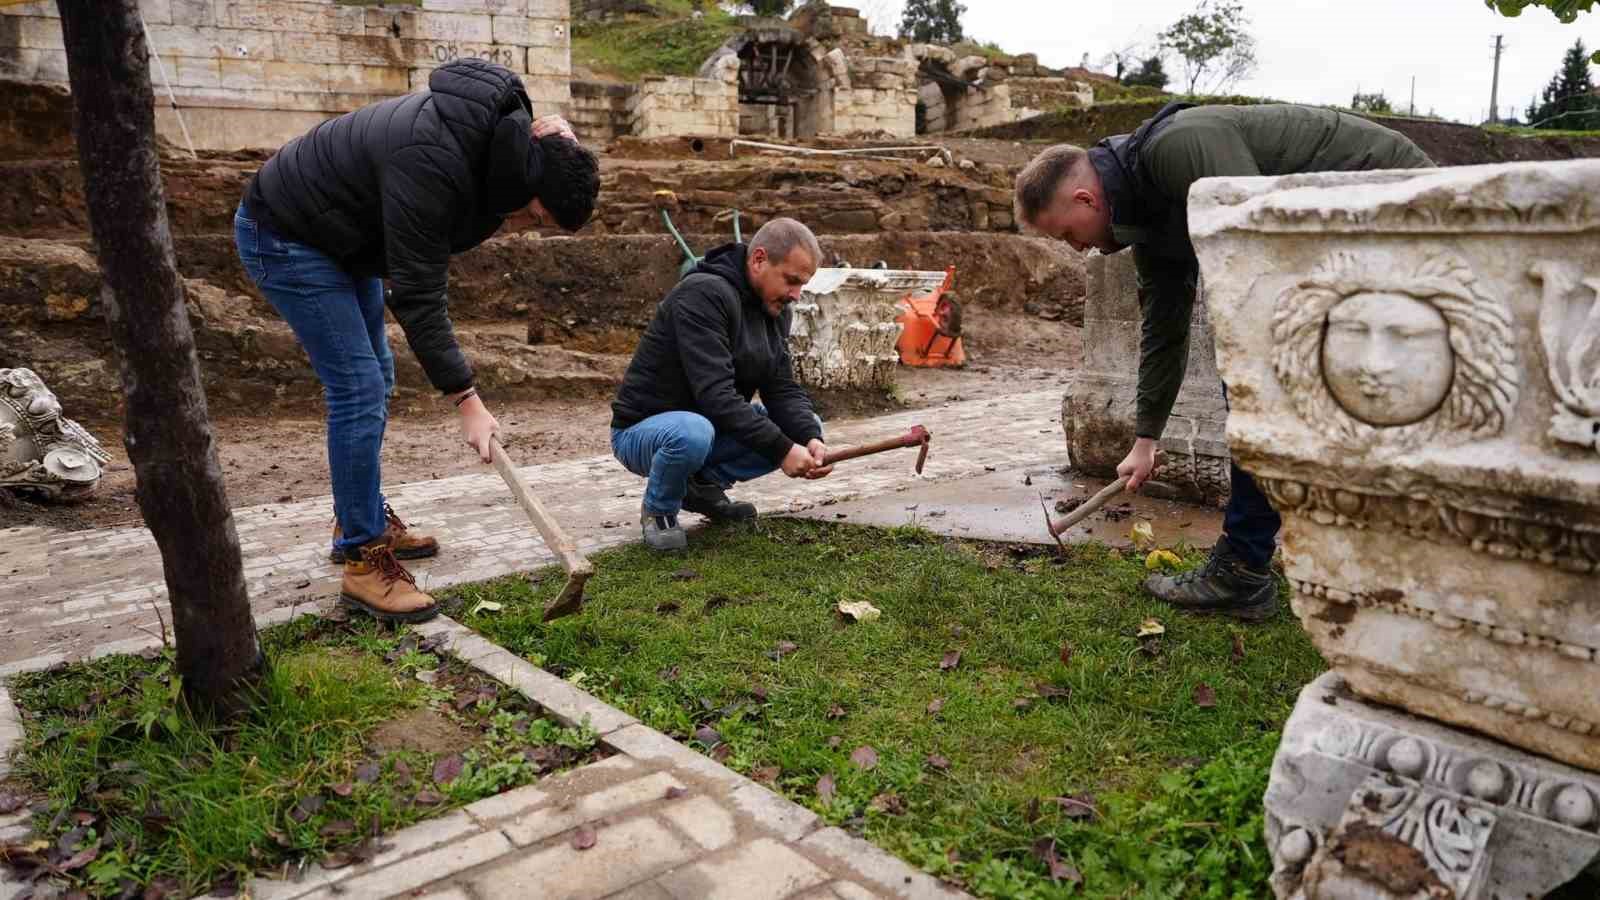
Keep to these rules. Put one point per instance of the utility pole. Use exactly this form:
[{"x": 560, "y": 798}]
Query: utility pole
[
  {"x": 1494, "y": 91},
  {"x": 1413, "y": 96}
]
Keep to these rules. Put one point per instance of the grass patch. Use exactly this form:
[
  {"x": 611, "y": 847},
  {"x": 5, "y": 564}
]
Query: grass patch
[
  {"x": 346, "y": 743},
  {"x": 736, "y": 649},
  {"x": 629, "y": 49}
]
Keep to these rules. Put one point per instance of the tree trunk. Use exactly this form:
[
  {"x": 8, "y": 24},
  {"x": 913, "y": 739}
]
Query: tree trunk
[{"x": 168, "y": 432}]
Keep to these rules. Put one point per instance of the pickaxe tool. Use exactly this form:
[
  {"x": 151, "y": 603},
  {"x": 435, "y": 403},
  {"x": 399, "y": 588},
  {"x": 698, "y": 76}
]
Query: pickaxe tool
[
  {"x": 1058, "y": 527},
  {"x": 916, "y": 437},
  {"x": 579, "y": 569}
]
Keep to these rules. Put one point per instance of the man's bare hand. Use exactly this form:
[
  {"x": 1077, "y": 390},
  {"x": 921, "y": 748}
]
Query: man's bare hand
[
  {"x": 478, "y": 425},
  {"x": 544, "y": 126},
  {"x": 1139, "y": 464},
  {"x": 798, "y": 463},
  {"x": 819, "y": 452}
]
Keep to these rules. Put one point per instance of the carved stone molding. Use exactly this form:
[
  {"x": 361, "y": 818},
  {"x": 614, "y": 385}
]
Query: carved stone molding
[
  {"x": 1487, "y": 821},
  {"x": 1433, "y": 518},
  {"x": 41, "y": 450},
  {"x": 1569, "y": 328}
]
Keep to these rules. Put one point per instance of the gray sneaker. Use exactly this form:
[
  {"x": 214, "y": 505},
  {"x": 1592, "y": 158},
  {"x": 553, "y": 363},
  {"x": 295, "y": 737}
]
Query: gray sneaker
[{"x": 662, "y": 532}]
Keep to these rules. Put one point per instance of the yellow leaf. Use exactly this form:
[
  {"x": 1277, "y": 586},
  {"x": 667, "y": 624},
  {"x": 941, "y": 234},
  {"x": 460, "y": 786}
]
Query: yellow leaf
[
  {"x": 861, "y": 610},
  {"x": 1159, "y": 558},
  {"x": 1151, "y": 627},
  {"x": 486, "y": 606},
  {"x": 1142, "y": 534}
]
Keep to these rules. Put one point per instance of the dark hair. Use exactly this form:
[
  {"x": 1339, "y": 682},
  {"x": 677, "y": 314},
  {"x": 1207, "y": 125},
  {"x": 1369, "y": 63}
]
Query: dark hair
[{"x": 570, "y": 181}]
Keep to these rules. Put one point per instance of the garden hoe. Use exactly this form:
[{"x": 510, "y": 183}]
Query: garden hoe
[
  {"x": 1058, "y": 527},
  {"x": 579, "y": 569}
]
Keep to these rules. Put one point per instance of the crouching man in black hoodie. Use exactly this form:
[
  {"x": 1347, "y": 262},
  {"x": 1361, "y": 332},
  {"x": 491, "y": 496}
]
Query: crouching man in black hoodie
[{"x": 683, "y": 416}]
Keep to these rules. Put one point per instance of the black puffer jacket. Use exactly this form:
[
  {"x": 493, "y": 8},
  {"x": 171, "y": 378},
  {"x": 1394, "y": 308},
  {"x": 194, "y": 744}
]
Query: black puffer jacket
[
  {"x": 393, "y": 189},
  {"x": 710, "y": 347}
]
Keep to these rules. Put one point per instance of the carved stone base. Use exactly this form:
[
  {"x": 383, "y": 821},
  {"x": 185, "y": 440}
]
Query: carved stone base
[
  {"x": 844, "y": 332},
  {"x": 1367, "y": 801},
  {"x": 42, "y": 451}
]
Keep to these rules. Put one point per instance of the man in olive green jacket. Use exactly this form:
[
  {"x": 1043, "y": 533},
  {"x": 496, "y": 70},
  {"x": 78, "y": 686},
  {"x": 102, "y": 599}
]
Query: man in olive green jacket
[{"x": 1132, "y": 190}]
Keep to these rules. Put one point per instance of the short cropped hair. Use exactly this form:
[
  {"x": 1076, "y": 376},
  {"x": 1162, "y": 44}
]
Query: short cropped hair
[
  {"x": 569, "y": 184},
  {"x": 1042, "y": 177},
  {"x": 780, "y": 236}
]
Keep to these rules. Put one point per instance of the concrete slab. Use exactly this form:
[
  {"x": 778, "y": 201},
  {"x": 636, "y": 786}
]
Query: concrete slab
[{"x": 1004, "y": 506}]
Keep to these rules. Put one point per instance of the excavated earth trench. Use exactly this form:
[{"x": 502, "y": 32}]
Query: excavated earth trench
[{"x": 548, "y": 320}]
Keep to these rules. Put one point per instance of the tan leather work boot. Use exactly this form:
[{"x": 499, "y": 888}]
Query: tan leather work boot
[
  {"x": 407, "y": 544},
  {"x": 379, "y": 586}
]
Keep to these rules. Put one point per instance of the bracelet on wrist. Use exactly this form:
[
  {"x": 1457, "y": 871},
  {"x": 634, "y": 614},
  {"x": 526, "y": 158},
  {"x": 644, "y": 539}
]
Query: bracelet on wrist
[{"x": 470, "y": 392}]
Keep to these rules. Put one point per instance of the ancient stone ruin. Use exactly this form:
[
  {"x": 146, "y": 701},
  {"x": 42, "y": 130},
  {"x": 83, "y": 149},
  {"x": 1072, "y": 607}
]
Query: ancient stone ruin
[
  {"x": 844, "y": 332},
  {"x": 1414, "y": 368},
  {"x": 1098, "y": 408},
  {"x": 42, "y": 452}
]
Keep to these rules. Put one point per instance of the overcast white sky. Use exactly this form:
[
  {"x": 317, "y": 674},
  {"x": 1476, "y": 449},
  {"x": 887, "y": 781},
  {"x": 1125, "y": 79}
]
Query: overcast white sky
[{"x": 1313, "y": 51}]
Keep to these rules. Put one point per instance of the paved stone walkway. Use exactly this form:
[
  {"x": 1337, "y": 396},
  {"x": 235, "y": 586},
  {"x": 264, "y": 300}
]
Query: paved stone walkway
[{"x": 63, "y": 592}]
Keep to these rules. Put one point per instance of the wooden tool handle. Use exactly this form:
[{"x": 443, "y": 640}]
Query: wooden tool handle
[
  {"x": 549, "y": 529},
  {"x": 863, "y": 450},
  {"x": 1089, "y": 506}
]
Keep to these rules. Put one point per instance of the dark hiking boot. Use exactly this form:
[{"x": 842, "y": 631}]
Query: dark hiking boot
[
  {"x": 1225, "y": 586},
  {"x": 407, "y": 543},
  {"x": 379, "y": 586},
  {"x": 662, "y": 532},
  {"x": 709, "y": 499}
]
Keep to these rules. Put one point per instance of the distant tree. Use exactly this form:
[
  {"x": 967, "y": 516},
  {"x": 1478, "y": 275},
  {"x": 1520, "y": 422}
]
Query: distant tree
[
  {"x": 1569, "y": 100},
  {"x": 1152, "y": 73},
  {"x": 774, "y": 8},
  {"x": 932, "y": 21},
  {"x": 1216, "y": 49},
  {"x": 1373, "y": 103},
  {"x": 1565, "y": 10}
]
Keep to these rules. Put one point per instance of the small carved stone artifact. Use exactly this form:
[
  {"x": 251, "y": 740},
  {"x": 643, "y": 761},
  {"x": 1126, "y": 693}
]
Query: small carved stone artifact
[{"x": 42, "y": 451}]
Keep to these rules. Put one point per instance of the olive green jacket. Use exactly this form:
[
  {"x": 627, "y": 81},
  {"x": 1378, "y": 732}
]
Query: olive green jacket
[{"x": 1147, "y": 176}]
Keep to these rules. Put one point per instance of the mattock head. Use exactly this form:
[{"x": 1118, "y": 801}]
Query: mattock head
[{"x": 921, "y": 436}]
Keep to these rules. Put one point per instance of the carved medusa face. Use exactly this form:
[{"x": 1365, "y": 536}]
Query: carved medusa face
[
  {"x": 1387, "y": 358},
  {"x": 1371, "y": 356}
]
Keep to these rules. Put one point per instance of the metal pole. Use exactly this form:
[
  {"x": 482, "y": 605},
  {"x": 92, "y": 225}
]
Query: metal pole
[
  {"x": 1413, "y": 95},
  {"x": 161, "y": 67},
  {"x": 1494, "y": 91}
]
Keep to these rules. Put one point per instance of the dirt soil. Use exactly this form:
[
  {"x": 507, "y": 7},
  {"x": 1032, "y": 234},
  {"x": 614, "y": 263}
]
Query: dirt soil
[{"x": 283, "y": 459}]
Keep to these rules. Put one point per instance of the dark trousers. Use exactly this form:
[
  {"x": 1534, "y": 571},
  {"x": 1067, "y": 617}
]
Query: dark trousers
[{"x": 1250, "y": 523}]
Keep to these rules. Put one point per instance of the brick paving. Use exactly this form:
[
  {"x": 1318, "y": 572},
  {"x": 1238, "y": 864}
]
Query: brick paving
[{"x": 64, "y": 592}]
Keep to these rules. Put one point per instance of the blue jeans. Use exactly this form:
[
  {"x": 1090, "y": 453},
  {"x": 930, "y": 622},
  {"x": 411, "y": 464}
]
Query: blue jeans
[
  {"x": 338, "y": 319},
  {"x": 669, "y": 447},
  {"x": 1249, "y": 523}
]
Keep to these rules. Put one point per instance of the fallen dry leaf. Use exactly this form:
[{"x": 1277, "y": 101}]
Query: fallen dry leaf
[
  {"x": 1151, "y": 627},
  {"x": 583, "y": 838},
  {"x": 669, "y": 674},
  {"x": 721, "y": 752},
  {"x": 1079, "y": 806},
  {"x": 1066, "y": 654},
  {"x": 367, "y": 772},
  {"x": 938, "y": 762},
  {"x": 859, "y": 611},
  {"x": 825, "y": 789},
  {"x": 667, "y": 608},
  {"x": 428, "y": 798},
  {"x": 936, "y": 705},
  {"x": 1204, "y": 696},
  {"x": 306, "y": 807},
  {"x": 339, "y": 828},
  {"x": 759, "y": 692},
  {"x": 707, "y": 735},
  {"x": 835, "y": 712},
  {"x": 1238, "y": 647},
  {"x": 1159, "y": 558},
  {"x": 950, "y": 661},
  {"x": 834, "y": 742},
  {"x": 685, "y": 575},
  {"x": 1021, "y": 703},
  {"x": 1050, "y": 691},
  {"x": 892, "y": 804},
  {"x": 675, "y": 792},
  {"x": 766, "y": 774},
  {"x": 447, "y": 769},
  {"x": 486, "y": 606},
  {"x": 343, "y": 789},
  {"x": 1143, "y": 534},
  {"x": 782, "y": 649},
  {"x": 865, "y": 757},
  {"x": 1045, "y": 849}
]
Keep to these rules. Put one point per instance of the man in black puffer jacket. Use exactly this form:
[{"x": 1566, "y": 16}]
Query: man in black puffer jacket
[
  {"x": 392, "y": 190},
  {"x": 683, "y": 416}
]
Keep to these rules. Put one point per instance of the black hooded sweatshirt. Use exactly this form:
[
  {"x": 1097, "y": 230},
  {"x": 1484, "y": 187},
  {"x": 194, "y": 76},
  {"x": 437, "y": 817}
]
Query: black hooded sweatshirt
[
  {"x": 709, "y": 349},
  {"x": 394, "y": 188}
]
